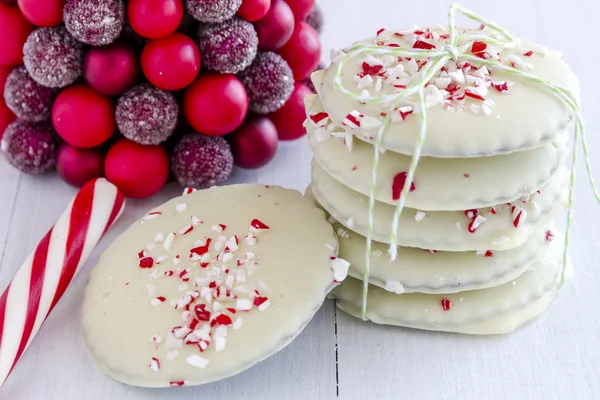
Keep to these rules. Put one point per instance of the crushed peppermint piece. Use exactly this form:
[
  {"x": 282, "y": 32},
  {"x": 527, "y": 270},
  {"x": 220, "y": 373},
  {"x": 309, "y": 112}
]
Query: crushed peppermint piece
[
  {"x": 446, "y": 304},
  {"x": 159, "y": 237},
  {"x": 152, "y": 215},
  {"x": 179, "y": 207},
  {"x": 156, "y": 338},
  {"x": 519, "y": 215},
  {"x": 154, "y": 364},
  {"x": 172, "y": 355},
  {"x": 162, "y": 258},
  {"x": 394, "y": 287},
  {"x": 476, "y": 223},
  {"x": 419, "y": 216},
  {"x": 489, "y": 253},
  {"x": 471, "y": 213},
  {"x": 340, "y": 269},
  {"x": 188, "y": 190},
  {"x": 319, "y": 119},
  {"x": 197, "y": 361},
  {"x": 168, "y": 242},
  {"x": 549, "y": 236},
  {"x": 157, "y": 301},
  {"x": 146, "y": 262},
  {"x": 250, "y": 239},
  {"x": 501, "y": 240},
  {"x": 258, "y": 226},
  {"x": 398, "y": 185},
  {"x": 151, "y": 289},
  {"x": 186, "y": 229},
  {"x": 237, "y": 324}
]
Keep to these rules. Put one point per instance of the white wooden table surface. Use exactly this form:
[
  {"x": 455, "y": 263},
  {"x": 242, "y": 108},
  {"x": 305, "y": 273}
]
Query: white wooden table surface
[{"x": 555, "y": 357}]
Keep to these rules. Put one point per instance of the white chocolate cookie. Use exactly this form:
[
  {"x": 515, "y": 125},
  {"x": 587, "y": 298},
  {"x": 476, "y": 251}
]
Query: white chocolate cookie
[
  {"x": 496, "y": 310},
  {"x": 441, "y": 184},
  {"x": 209, "y": 284},
  {"x": 472, "y": 110},
  {"x": 502, "y": 227}
]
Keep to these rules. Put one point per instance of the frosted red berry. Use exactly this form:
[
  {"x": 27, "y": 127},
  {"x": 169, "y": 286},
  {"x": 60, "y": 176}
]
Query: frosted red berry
[
  {"x": 269, "y": 83},
  {"x": 315, "y": 18},
  {"x": 303, "y": 51},
  {"x": 138, "y": 171},
  {"x": 42, "y": 13},
  {"x": 154, "y": 19},
  {"x": 276, "y": 28},
  {"x": 14, "y": 30},
  {"x": 171, "y": 63},
  {"x": 147, "y": 114},
  {"x": 254, "y": 144},
  {"x": 111, "y": 70},
  {"x": 228, "y": 47},
  {"x": 215, "y": 104},
  {"x": 30, "y": 147},
  {"x": 290, "y": 118},
  {"x": 96, "y": 23},
  {"x": 83, "y": 117},
  {"x": 253, "y": 10},
  {"x": 212, "y": 10},
  {"x": 26, "y": 98},
  {"x": 6, "y": 116},
  {"x": 78, "y": 166},
  {"x": 53, "y": 57},
  {"x": 301, "y": 8},
  {"x": 201, "y": 162}
]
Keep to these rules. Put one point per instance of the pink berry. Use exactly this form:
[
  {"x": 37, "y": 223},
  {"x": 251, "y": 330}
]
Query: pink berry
[
  {"x": 14, "y": 30},
  {"x": 171, "y": 63},
  {"x": 276, "y": 28},
  {"x": 212, "y": 10},
  {"x": 78, "y": 166},
  {"x": 301, "y": 8},
  {"x": 6, "y": 116},
  {"x": 215, "y": 104},
  {"x": 138, "y": 171},
  {"x": 29, "y": 100},
  {"x": 30, "y": 147},
  {"x": 155, "y": 19},
  {"x": 111, "y": 70},
  {"x": 228, "y": 47},
  {"x": 201, "y": 161},
  {"x": 83, "y": 117},
  {"x": 253, "y": 10},
  {"x": 147, "y": 114},
  {"x": 269, "y": 83},
  {"x": 303, "y": 51},
  {"x": 290, "y": 118},
  {"x": 315, "y": 18},
  {"x": 43, "y": 13},
  {"x": 53, "y": 57},
  {"x": 96, "y": 23},
  {"x": 255, "y": 143}
]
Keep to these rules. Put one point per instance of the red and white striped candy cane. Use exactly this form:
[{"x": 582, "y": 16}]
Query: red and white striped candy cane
[{"x": 46, "y": 274}]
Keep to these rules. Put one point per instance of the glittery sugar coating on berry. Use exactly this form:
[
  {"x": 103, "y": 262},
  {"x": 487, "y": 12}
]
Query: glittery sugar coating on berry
[
  {"x": 212, "y": 10},
  {"x": 53, "y": 57},
  {"x": 29, "y": 100},
  {"x": 228, "y": 47},
  {"x": 201, "y": 162},
  {"x": 147, "y": 114},
  {"x": 30, "y": 147},
  {"x": 269, "y": 82},
  {"x": 96, "y": 23},
  {"x": 315, "y": 18}
]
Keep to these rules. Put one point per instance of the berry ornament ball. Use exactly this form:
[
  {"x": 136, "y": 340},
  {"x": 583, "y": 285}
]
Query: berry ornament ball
[
  {"x": 215, "y": 104},
  {"x": 30, "y": 147},
  {"x": 201, "y": 162},
  {"x": 147, "y": 114},
  {"x": 253, "y": 10},
  {"x": 83, "y": 117},
  {"x": 269, "y": 82},
  {"x": 228, "y": 47},
  {"x": 301, "y": 8},
  {"x": 43, "y": 13},
  {"x": 78, "y": 166},
  {"x": 6, "y": 116},
  {"x": 138, "y": 171},
  {"x": 111, "y": 70},
  {"x": 290, "y": 118},
  {"x": 255, "y": 143},
  {"x": 171, "y": 63},
  {"x": 14, "y": 30},
  {"x": 29, "y": 100},
  {"x": 154, "y": 19},
  {"x": 276, "y": 28},
  {"x": 303, "y": 51},
  {"x": 96, "y": 23},
  {"x": 212, "y": 10}
]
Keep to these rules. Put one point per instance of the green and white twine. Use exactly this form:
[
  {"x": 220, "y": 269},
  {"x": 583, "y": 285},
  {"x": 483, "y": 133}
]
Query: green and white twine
[{"x": 437, "y": 59}]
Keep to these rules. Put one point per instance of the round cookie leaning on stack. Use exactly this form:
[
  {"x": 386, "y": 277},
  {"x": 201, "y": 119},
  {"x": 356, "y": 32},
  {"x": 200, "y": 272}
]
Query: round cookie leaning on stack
[{"x": 477, "y": 250}]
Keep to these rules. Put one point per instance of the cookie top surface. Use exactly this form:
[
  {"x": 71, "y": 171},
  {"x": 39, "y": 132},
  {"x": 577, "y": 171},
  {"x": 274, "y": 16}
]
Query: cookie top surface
[
  {"x": 208, "y": 284},
  {"x": 500, "y": 112}
]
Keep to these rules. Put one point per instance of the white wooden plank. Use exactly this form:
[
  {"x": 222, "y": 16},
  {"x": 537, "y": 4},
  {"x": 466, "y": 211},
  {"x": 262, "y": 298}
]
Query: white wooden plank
[{"x": 9, "y": 183}]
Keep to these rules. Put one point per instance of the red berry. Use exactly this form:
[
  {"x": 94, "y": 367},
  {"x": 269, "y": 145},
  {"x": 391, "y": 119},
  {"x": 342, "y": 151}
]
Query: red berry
[
  {"x": 301, "y": 8},
  {"x": 138, "y": 171},
  {"x": 255, "y": 143},
  {"x": 112, "y": 69},
  {"x": 290, "y": 118},
  {"x": 253, "y": 10},
  {"x": 14, "y": 29},
  {"x": 276, "y": 28},
  {"x": 30, "y": 147},
  {"x": 78, "y": 166},
  {"x": 303, "y": 51},
  {"x": 97, "y": 23},
  {"x": 154, "y": 19},
  {"x": 171, "y": 63},
  {"x": 215, "y": 104},
  {"x": 83, "y": 117},
  {"x": 6, "y": 116},
  {"x": 43, "y": 13}
]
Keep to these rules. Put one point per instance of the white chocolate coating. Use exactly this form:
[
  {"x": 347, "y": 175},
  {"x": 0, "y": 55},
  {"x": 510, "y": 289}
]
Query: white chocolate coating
[{"x": 122, "y": 310}]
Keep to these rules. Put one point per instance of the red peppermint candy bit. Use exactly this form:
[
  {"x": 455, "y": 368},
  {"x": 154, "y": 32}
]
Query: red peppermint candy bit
[
  {"x": 398, "y": 185},
  {"x": 445, "y": 36},
  {"x": 419, "y": 44},
  {"x": 177, "y": 383},
  {"x": 471, "y": 213},
  {"x": 475, "y": 223},
  {"x": 223, "y": 226},
  {"x": 466, "y": 175},
  {"x": 202, "y": 314},
  {"x": 146, "y": 262},
  {"x": 549, "y": 236},
  {"x": 318, "y": 117},
  {"x": 194, "y": 324},
  {"x": 142, "y": 254},
  {"x": 379, "y": 31},
  {"x": 212, "y": 285},
  {"x": 257, "y": 224},
  {"x": 259, "y": 300},
  {"x": 489, "y": 253},
  {"x": 393, "y": 45},
  {"x": 529, "y": 53},
  {"x": 453, "y": 87},
  {"x": 474, "y": 95},
  {"x": 201, "y": 250},
  {"x": 500, "y": 86},
  {"x": 154, "y": 364},
  {"x": 370, "y": 69},
  {"x": 355, "y": 168},
  {"x": 478, "y": 49},
  {"x": 223, "y": 319},
  {"x": 493, "y": 210},
  {"x": 169, "y": 273},
  {"x": 446, "y": 305}
]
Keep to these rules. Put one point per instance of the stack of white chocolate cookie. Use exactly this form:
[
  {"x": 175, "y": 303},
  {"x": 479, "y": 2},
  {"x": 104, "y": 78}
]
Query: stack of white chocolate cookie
[{"x": 477, "y": 250}]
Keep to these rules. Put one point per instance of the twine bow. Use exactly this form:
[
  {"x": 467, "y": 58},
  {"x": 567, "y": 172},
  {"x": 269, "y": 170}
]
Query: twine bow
[{"x": 458, "y": 49}]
